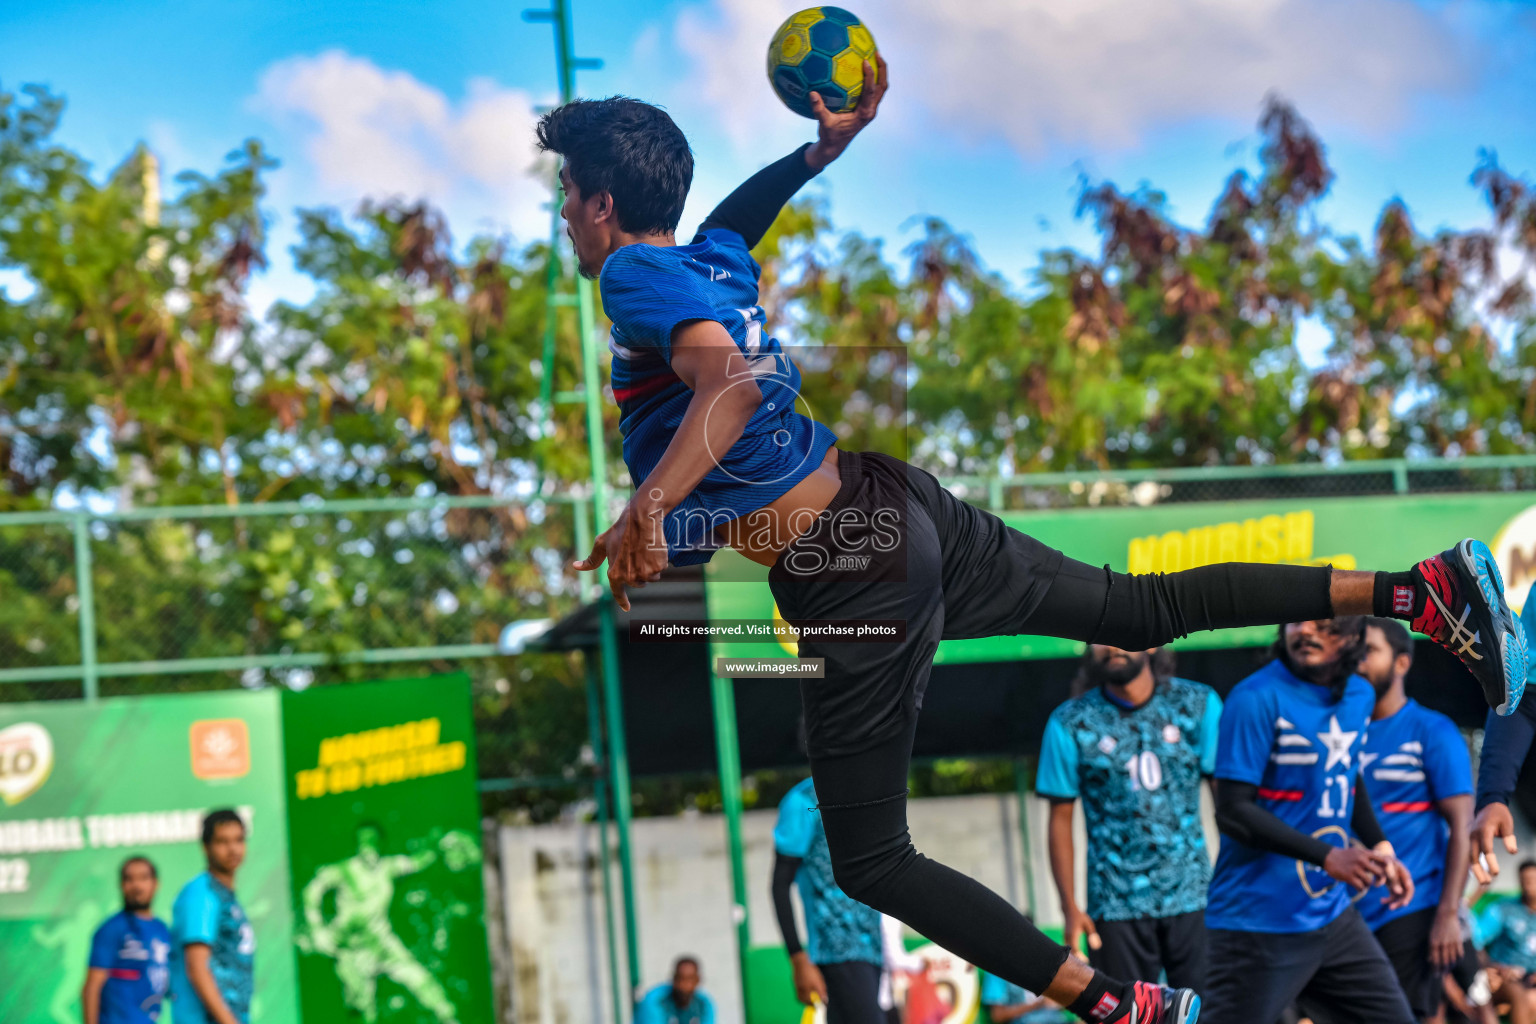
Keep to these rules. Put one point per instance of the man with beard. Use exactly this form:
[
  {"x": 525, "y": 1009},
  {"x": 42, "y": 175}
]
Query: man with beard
[
  {"x": 1290, "y": 800},
  {"x": 1421, "y": 784},
  {"x": 1133, "y": 748},
  {"x": 128, "y": 974}
]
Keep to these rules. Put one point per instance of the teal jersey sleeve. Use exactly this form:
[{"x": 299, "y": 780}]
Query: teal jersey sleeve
[
  {"x": 1058, "y": 761},
  {"x": 650, "y": 1011},
  {"x": 195, "y": 917},
  {"x": 1210, "y": 733},
  {"x": 708, "y": 1016},
  {"x": 796, "y": 827}
]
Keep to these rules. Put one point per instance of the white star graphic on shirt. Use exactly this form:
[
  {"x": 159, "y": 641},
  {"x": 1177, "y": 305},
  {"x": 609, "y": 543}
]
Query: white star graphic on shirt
[{"x": 1337, "y": 742}]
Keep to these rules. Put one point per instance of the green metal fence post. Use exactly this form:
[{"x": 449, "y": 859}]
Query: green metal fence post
[
  {"x": 1400, "y": 476},
  {"x": 618, "y": 754},
  {"x": 85, "y": 592},
  {"x": 600, "y": 795},
  {"x": 728, "y": 755},
  {"x": 1021, "y": 782}
]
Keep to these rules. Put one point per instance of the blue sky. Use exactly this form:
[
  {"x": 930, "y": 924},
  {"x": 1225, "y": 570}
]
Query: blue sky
[{"x": 991, "y": 119}]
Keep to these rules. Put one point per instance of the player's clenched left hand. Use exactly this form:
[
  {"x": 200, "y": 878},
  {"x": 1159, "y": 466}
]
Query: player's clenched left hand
[
  {"x": 635, "y": 549},
  {"x": 834, "y": 131}
]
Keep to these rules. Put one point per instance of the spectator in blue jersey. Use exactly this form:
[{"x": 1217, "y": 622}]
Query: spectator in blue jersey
[
  {"x": 1420, "y": 776},
  {"x": 128, "y": 974},
  {"x": 213, "y": 944},
  {"x": 680, "y": 1001},
  {"x": 1506, "y": 742},
  {"x": 1289, "y": 801},
  {"x": 843, "y": 957},
  {"x": 1133, "y": 747},
  {"x": 1508, "y": 932}
]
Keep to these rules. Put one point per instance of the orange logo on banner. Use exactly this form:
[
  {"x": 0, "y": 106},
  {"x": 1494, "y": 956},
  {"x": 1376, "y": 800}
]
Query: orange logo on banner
[{"x": 221, "y": 748}]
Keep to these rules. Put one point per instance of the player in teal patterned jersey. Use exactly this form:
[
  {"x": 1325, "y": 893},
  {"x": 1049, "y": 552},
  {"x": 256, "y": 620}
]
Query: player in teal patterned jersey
[
  {"x": 213, "y": 949},
  {"x": 1133, "y": 749},
  {"x": 843, "y": 955}
]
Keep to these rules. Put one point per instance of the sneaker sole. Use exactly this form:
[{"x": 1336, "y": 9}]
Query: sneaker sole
[
  {"x": 1187, "y": 1011},
  {"x": 1513, "y": 645}
]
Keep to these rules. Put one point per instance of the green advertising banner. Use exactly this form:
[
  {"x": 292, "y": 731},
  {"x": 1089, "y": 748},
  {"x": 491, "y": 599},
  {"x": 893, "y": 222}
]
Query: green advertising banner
[
  {"x": 384, "y": 819},
  {"x": 1389, "y": 532},
  {"x": 83, "y": 786}
]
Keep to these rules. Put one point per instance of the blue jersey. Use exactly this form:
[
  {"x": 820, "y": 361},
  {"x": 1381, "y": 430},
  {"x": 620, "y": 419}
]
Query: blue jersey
[
  {"x": 997, "y": 992},
  {"x": 1412, "y": 761},
  {"x": 135, "y": 952},
  {"x": 648, "y": 290},
  {"x": 658, "y": 1007},
  {"x": 207, "y": 911},
  {"x": 1508, "y": 931},
  {"x": 839, "y": 929},
  {"x": 1137, "y": 772},
  {"x": 1301, "y": 748}
]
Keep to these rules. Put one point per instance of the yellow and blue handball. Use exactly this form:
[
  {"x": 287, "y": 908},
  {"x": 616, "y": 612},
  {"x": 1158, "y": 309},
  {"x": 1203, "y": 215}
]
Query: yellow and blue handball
[{"x": 820, "y": 50}]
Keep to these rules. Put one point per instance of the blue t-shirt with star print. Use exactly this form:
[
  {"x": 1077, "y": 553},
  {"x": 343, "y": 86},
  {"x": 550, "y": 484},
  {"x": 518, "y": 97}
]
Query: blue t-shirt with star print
[
  {"x": 1301, "y": 747},
  {"x": 1137, "y": 771}
]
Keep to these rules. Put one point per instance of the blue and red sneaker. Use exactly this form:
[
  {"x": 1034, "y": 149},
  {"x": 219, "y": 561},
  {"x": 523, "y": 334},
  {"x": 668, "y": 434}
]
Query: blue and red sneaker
[
  {"x": 1159, "y": 1004},
  {"x": 1466, "y": 614}
]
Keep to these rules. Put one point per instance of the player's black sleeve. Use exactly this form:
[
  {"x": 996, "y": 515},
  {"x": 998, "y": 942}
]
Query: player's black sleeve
[
  {"x": 1363, "y": 820},
  {"x": 749, "y": 211},
  {"x": 1239, "y": 816},
  {"x": 1506, "y": 742},
  {"x": 784, "y": 869}
]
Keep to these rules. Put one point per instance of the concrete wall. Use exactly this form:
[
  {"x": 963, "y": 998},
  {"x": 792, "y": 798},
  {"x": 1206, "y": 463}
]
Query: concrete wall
[{"x": 553, "y": 911}]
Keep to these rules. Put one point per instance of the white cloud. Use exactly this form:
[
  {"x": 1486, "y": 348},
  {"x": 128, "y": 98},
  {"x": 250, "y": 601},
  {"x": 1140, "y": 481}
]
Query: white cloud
[
  {"x": 1054, "y": 75},
  {"x": 367, "y": 131}
]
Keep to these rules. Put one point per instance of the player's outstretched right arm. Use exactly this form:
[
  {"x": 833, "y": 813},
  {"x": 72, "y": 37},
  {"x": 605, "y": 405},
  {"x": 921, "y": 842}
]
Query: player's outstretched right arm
[{"x": 750, "y": 210}]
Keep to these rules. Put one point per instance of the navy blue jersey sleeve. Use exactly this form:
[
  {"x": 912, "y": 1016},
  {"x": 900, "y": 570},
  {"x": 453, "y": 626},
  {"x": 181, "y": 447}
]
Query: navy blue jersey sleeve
[
  {"x": 1506, "y": 742},
  {"x": 648, "y": 293}
]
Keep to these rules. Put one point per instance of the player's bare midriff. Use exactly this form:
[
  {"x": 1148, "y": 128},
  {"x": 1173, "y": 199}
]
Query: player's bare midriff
[{"x": 761, "y": 535}]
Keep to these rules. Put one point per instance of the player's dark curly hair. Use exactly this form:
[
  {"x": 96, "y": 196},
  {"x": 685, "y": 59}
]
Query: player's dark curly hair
[
  {"x": 632, "y": 150},
  {"x": 1352, "y": 629},
  {"x": 222, "y": 816}
]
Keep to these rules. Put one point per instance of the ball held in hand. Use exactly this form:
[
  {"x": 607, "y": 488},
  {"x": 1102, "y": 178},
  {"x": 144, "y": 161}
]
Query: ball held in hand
[{"x": 820, "y": 50}]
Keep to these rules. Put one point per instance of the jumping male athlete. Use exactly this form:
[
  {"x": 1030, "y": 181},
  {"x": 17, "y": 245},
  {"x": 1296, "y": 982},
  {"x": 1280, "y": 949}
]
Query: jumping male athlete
[{"x": 721, "y": 456}]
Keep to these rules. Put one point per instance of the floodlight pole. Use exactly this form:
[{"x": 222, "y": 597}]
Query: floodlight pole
[{"x": 590, "y": 395}]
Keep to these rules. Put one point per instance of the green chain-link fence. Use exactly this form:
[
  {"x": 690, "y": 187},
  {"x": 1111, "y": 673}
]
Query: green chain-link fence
[
  {"x": 155, "y": 600},
  {"x": 166, "y": 599}
]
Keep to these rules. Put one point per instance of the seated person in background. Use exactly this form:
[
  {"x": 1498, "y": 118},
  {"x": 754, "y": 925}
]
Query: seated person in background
[
  {"x": 1003, "y": 1002},
  {"x": 680, "y": 1001},
  {"x": 1006, "y": 1003},
  {"x": 1508, "y": 930}
]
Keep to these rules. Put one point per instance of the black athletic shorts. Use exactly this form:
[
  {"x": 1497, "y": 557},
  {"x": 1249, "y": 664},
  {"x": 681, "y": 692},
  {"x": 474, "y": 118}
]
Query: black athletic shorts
[
  {"x": 853, "y": 993},
  {"x": 1405, "y": 940},
  {"x": 1336, "y": 974},
  {"x": 1144, "y": 947},
  {"x": 894, "y": 545}
]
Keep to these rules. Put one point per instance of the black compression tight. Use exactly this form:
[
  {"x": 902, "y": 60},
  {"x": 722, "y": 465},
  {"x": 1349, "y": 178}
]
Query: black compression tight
[{"x": 863, "y": 795}]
